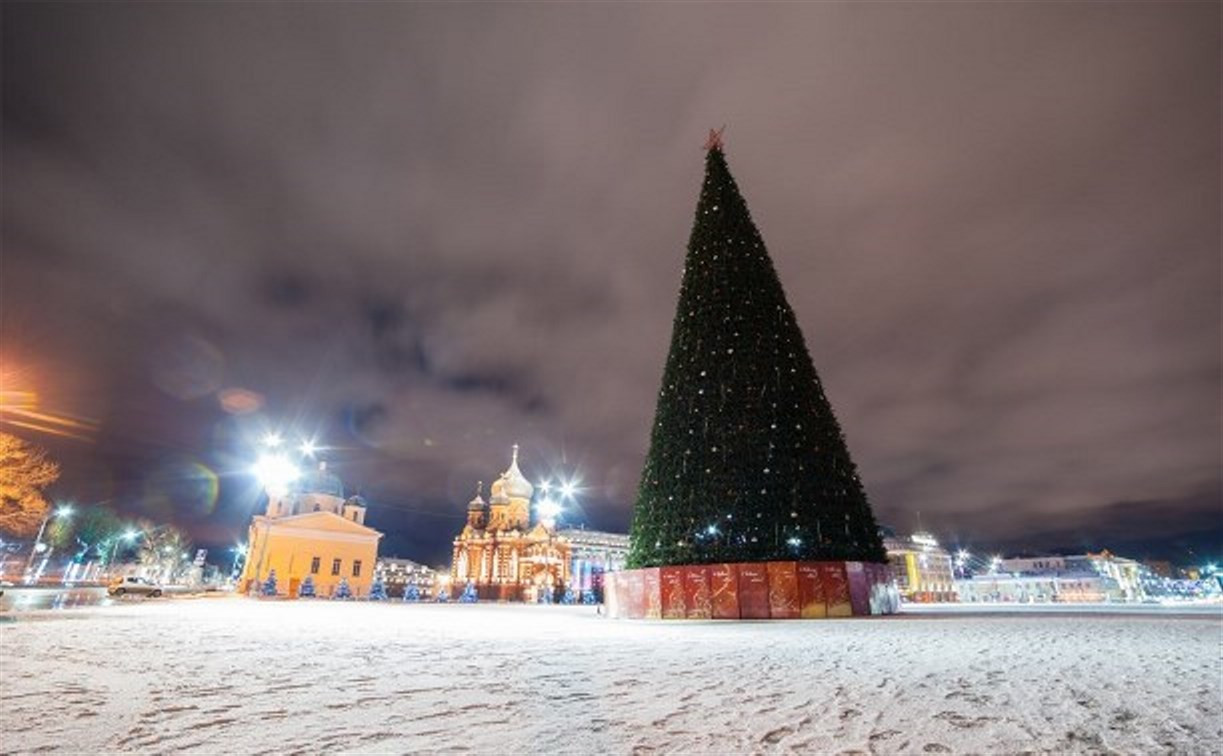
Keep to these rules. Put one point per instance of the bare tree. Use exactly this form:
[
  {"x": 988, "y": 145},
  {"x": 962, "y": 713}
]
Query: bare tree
[{"x": 25, "y": 472}]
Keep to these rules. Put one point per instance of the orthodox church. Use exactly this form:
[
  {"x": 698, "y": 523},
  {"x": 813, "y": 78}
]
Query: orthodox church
[
  {"x": 500, "y": 552},
  {"x": 312, "y": 530}
]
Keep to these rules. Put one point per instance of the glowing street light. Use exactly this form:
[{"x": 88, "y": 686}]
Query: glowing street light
[
  {"x": 272, "y": 440},
  {"x": 568, "y": 489},
  {"x": 549, "y": 509},
  {"x": 308, "y": 448},
  {"x": 127, "y": 535},
  {"x": 275, "y": 473},
  {"x": 545, "y": 486},
  {"x": 63, "y": 510}
]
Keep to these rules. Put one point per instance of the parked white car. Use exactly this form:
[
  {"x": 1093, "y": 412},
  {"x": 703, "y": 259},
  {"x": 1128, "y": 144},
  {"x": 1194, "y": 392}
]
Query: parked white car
[{"x": 135, "y": 586}]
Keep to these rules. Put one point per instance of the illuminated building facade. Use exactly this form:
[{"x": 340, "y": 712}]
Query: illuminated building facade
[
  {"x": 312, "y": 529},
  {"x": 594, "y": 553},
  {"x": 500, "y": 552},
  {"x": 1089, "y": 577},
  {"x": 922, "y": 569},
  {"x": 1011, "y": 588},
  {"x": 399, "y": 574}
]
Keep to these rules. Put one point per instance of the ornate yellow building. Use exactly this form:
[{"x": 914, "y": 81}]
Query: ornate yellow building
[
  {"x": 312, "y": 530},
  {"x": 500, "y": 552}
]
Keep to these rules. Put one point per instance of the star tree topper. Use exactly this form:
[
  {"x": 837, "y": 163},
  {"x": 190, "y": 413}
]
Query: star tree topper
[{"x": 715, "y": 139}]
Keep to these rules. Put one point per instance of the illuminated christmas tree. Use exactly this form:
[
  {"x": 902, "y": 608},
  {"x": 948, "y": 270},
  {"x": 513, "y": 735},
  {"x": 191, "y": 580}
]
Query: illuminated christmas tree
[{"x": 747, "y": 462}]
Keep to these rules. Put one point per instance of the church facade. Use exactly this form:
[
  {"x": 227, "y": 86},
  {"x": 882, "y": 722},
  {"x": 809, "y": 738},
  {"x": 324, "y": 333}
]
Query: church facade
[
  {"x": 499, "y": 550},
  {"x": 312, "y": 530}
]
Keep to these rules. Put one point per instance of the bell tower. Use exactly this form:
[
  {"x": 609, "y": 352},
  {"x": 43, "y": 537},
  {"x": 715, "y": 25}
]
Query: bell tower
[{"x": 477, "y": 516}]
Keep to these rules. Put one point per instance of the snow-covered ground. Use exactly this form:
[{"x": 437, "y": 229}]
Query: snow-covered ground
[{"x": 233, "y": 675}]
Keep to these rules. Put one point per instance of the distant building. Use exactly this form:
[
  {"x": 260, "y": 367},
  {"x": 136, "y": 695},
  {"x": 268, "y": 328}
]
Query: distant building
[
  {"x": 398, "y": 574},
  {"x": 1121, "y": 579},
  {"x": 922, "y": 569},
  {"x": 1060, "y": 578},
  {"x": 500, "y": 552},
  {"x": 312, "y": 530},
  {"x": 1012, "y": 588},
  {"x": 594, "y": 553}
]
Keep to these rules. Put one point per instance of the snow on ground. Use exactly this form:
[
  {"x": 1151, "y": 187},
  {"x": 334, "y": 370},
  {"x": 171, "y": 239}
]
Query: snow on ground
[{"x": 234, "y": 675}]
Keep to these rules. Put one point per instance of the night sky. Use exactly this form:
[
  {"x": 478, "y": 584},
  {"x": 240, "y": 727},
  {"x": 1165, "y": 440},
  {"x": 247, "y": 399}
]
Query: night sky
[{"x": 422, "y": 233}]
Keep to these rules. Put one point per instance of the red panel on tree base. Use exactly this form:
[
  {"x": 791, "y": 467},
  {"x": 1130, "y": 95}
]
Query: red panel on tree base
[
  {"x": 783, "y": 590},
  {"x": 673, "y": 605},
  {"x": 611, "y": 598},
  {"x": 753, "y": 590},
  {"x": 836, "y": 589},
  {"x": 697, "y": 598},
  {"x": 811, "y": 601},
  {"x": 653, "y": 593},
  {"x": 859, "y": 589},
  {"x": 724, "y": 590},
  {"x": 635, "y": 584}
]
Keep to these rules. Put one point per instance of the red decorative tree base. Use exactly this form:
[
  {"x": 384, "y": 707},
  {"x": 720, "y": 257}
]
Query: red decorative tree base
[{"x": 752, "y": 590}]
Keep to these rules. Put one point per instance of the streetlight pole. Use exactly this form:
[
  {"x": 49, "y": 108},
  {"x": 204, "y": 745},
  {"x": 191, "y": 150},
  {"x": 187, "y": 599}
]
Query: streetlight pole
[
  {"x": 62, "y": 511},
  {"x": 127, "y": 536}
]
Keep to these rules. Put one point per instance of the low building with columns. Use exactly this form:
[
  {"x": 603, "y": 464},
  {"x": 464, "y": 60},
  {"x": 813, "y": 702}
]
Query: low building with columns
[
  {"x": 499, "y": 550},
  {"x": 312, "y": 530}
]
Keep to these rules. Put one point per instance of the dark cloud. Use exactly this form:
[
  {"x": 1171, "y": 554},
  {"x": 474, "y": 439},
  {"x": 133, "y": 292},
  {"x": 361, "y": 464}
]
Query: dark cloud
[{"x": 426, "y": 232}]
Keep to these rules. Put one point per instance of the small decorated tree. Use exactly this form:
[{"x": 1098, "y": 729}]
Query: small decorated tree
[
  {"x": 412, "y": 594},
  {"x": 588, "y": 598},
  {"x": 567, "y": 598},
  {"x": 342, "y": 591},
  {"x": 469, "y": 595},
  {"x": 443, "y": 594},
  {"x": 377, "y": 591},
  {"x": 269, "y": 585},
  {"x": 306, "y": 590}
]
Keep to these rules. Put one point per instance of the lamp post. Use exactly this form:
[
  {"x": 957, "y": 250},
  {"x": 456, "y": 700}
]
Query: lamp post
[
  {"x": 275, "y": 473},
  {"x": 549, "y": 510},
  {"x": 129, "y": 536},
  {"x": 60, "y": 511}
]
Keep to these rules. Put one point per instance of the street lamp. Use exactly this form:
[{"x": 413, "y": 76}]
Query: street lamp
[
  {"x": 64, "y": 510},
  {"x": 549, "y": 509},
  {"x": 129, "y": 536},
  {"x": 275, "y": 472}
]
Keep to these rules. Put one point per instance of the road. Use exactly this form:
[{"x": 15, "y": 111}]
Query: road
[{"x": 17, "y": 599}]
